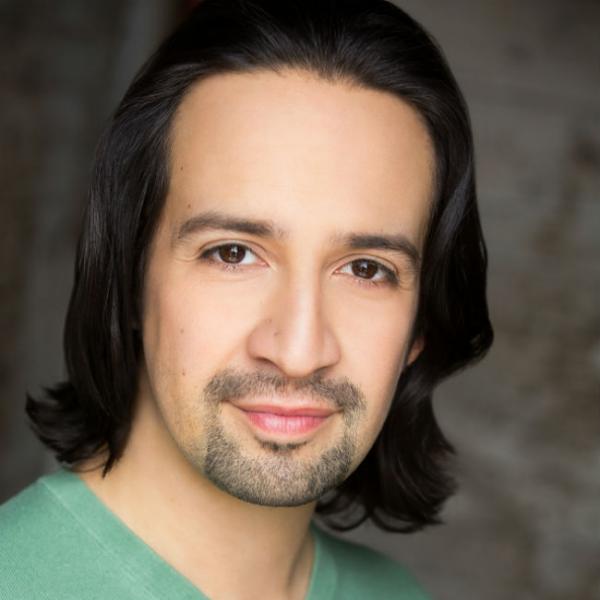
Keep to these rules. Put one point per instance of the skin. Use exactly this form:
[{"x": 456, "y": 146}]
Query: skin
[{"x": 316, "y": 160}]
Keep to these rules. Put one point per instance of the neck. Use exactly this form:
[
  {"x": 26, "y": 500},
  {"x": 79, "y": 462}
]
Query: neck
[{"x": 201, "y": 531}]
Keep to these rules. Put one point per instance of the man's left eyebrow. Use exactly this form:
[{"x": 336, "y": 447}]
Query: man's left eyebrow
[{"x": 397, "y": 243}]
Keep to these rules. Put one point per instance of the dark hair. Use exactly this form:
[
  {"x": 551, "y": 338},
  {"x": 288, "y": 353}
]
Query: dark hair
[{"x": 404, "y": 480}]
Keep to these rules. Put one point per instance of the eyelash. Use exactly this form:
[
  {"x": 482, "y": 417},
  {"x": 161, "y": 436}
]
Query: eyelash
[{"x": 390, "y": 278}]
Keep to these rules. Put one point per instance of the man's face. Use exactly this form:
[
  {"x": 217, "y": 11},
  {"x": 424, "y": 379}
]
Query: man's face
[{"x": 282, "y": 281}]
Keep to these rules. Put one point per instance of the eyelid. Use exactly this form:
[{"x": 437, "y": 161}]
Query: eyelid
[
  {"x": 379, "y": 261},
  {"x": 389, "y": 277},
  {"x": 213, "y": 248}
]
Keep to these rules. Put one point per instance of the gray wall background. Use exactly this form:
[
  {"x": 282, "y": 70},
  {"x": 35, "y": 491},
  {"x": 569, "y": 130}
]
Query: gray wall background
[{"x": 526, "y": 421}]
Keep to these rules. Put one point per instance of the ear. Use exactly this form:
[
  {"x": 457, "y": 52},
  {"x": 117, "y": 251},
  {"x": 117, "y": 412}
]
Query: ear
[{"x": 415, "y": 349}]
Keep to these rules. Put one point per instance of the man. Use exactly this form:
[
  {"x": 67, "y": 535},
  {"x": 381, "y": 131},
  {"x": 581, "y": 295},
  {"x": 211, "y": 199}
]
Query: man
[{"x": 281, "y": 258}]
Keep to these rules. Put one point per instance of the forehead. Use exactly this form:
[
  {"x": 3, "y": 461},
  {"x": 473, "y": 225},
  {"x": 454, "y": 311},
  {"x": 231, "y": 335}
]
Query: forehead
[{"x": 282, "y": 145}]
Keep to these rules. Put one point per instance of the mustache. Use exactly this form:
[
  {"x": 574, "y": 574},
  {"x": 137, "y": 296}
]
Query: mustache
[{"x": 231, "y": 384}]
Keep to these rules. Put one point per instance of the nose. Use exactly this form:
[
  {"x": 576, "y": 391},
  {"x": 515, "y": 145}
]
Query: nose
[{"x": 293, "y": 333}]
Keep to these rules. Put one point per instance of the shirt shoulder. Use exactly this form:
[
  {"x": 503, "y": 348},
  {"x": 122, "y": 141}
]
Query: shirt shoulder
[
  {"x": 58, "y": 541},
  {"x": 363, "y": 572},
  {"x": 46, "y": 553},
  {"x": 24, "y": 520},
  {"x": 27, "y": 529}
]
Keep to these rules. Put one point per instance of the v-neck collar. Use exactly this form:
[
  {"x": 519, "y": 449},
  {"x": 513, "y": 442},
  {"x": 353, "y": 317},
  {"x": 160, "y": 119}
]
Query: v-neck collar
[{"x": 141, "y": 563}]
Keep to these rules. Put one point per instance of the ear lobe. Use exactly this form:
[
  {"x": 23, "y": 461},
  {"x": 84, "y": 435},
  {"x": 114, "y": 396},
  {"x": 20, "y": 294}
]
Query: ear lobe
[{"x": 415, "y": 350}]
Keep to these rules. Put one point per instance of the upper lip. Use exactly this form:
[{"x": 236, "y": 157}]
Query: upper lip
[{"x": 286, "y": 410}]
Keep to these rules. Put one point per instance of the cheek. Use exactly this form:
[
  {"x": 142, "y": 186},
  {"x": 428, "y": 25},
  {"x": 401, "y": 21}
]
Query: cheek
[
  {"x": 376, "y": 342},
  {"x": 376, "y": 346},
  {"x": 166, "y": 330},
  {"x": 188, "y": 335},
  {"x": 193, "y": 330}
]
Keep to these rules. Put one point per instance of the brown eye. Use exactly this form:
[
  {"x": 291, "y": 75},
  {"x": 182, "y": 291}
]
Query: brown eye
[
  {"x": 231, "y": 253},
  {"x": 230, "y": 256},
  {"x": 365, "y": 269}
]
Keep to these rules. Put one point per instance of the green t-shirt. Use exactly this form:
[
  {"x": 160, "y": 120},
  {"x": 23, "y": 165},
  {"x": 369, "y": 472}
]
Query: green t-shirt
[{"x": 59, "y": 541}]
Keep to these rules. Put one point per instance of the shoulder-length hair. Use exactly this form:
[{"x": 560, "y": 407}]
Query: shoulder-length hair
[{"x": 404, "y": 480}]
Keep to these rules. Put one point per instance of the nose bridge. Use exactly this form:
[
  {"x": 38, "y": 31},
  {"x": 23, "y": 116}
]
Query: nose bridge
[
  {"x": 300, "y": 315},
  {"x": 296, "y": 334}
]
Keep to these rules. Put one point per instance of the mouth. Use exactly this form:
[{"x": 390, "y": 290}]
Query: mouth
[{"x": 285, "y": 421}]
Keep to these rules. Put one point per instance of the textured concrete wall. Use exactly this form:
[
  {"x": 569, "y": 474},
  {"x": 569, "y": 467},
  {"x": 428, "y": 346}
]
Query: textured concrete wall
[{"x": 526, "y": 422}]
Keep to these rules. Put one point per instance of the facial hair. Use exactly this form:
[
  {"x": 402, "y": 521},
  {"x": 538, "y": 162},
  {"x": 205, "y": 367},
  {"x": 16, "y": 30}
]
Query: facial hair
[{"x": 278, "y": 477}]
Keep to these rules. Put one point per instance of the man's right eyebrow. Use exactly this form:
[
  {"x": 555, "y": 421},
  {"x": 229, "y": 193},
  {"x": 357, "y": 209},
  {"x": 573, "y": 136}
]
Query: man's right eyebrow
[{"x": 212, "y": 220}]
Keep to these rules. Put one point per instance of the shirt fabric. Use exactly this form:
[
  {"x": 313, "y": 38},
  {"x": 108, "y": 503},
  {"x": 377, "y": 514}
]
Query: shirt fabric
[{"x": 59, "y": 541}]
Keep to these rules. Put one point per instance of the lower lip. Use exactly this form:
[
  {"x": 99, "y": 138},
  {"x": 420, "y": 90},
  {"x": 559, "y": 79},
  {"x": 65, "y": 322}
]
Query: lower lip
[{"x": 284, "y": 424}]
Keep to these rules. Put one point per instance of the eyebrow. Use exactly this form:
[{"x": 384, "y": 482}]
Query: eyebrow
[
  {"x": 217, "y": 220},
  {"x": 214, "y": 220},
  {"x": 397, "y": 243}
]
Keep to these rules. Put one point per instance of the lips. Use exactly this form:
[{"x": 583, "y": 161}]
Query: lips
[{"x": 285, "y": 420}]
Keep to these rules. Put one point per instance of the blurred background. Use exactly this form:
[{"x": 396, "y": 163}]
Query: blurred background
[{"x": 525, "y": 422}]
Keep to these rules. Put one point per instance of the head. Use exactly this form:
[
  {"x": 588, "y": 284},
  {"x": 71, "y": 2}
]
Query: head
[{"x": 282, "y": 213}]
